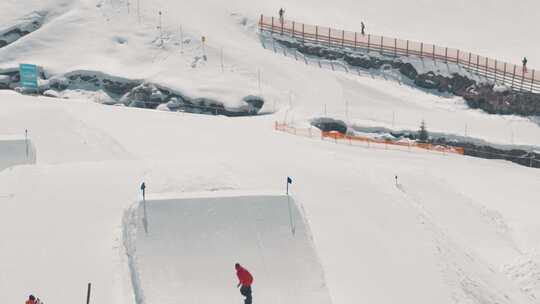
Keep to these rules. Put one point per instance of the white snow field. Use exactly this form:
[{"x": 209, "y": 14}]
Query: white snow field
[
  {"x": 192, "y": 244},
  {"x": 454, "y": 229},
  {"x": 16, "y": 150}
]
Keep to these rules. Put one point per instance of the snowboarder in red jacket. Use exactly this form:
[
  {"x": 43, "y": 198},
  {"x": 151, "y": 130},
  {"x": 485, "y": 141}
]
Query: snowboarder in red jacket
[{"x": 245, "y": 280}]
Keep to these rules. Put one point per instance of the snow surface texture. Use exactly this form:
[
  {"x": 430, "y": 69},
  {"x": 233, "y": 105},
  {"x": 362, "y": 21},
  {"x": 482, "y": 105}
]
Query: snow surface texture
[{"x": 192, "y": 244}]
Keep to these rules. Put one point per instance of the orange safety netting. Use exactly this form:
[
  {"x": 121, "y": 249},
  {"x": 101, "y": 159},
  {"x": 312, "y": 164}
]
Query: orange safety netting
[{"x": 350, "y": 139}]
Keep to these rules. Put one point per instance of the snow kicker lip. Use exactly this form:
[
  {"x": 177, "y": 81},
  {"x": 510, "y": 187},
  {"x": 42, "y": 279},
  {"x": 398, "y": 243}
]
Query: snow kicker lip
[
  {"x": 113, "y": 90},
  {"x": 24, "y": 26}
]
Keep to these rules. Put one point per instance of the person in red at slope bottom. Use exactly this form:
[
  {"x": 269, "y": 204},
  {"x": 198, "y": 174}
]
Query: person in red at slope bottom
[
  {"x": 245, "y": 280},
  {"x": 31, "y": 300}
]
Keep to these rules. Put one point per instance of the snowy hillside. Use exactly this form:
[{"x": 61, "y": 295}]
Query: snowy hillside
[{"x": 450, "y": 229}]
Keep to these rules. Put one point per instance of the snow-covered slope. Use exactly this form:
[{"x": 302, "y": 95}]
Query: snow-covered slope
[{"x": 442, "y": 235}]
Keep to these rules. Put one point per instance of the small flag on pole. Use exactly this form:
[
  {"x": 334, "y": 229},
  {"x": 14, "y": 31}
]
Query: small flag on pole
[{"x": 289, "y": 181}]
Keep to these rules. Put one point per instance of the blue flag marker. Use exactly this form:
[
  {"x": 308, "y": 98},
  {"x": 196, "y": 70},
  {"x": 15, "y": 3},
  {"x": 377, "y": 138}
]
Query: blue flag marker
[{"x": 289, "y": 180}]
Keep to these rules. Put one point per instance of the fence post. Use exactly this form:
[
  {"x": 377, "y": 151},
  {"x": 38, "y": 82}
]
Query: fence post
[
  {"x": 303, "y": 33},
  {"x": 458, "y": 56},
  {"x": 496, "y": 71},
  {"x": 395, "y": 47},
  {"x": 470, "y": 55},
  {"x": 487, "y": 68},
  {"x": 407, "y": 51},
  {"x": 261, "y": 23},
  {"x": 504, "y": 74},
  {"x": 292, "y": 34},
  {"x": 316, "y": 33},
  {"x": 513, "y": 77},
  {"x": 342, "y": 38},
  {"x": 446, "y": 55},
  {"x": 421, "y": 48},
  {"x": 434, "y": 52},
  {"x": 355, "y": 34},
  {"x": 522, "y": 79},
  {"x": 532, "y": 81},
  {"x": 329, "y": 36},
  {"x": 272, "y": 30},
  {"x": 368, "y": 41},
  {"x": 382, "y": 44}
]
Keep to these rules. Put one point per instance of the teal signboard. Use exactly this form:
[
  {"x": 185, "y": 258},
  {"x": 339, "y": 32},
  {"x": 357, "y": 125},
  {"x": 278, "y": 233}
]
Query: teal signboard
[{"x": 29, "y": 75}]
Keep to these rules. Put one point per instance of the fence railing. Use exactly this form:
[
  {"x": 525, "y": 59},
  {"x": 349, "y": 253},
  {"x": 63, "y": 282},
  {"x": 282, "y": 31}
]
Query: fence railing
[
  {"x": 518, "y": 77},
  {"x": 364, "y": 141}
]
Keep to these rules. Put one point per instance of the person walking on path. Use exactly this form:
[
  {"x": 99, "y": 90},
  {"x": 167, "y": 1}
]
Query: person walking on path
[
  {"x": 524, "y": 61},
  {"x": 281, "y": 15},
  {"x": 245, "y": 280},
  {"x": 363, "y": 26}
]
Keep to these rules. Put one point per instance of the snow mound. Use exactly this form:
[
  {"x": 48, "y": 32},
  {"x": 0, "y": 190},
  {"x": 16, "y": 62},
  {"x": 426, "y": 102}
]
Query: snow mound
[
  {"x": 192, "y": 244},
  {"x": 16, "y": 150}
]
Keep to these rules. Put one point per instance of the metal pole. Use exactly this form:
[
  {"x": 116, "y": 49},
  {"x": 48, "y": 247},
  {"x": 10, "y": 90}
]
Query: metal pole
[
  {"x": 421, "y": 48},
  {"x": 407, "y": 51},
  {"x": 496, "y": 71},
  {"x": 88, "y": 293},
  {"x": 434, "y": 52},
  {"x": 342, "y": 38},
  {"x": 395, "y": 47},
  {"x": 316, "y": 33},
  {"x": 272, "y": 29},
  {"x": 458, "y": 56},
  {"x": 382, "y": 44},
  {"x": 355, "y": 39},
  {"x": 329, "y": 34},
  {"x": 292, "y": 34},
  {"x": 532, "y": 80},
  {"x": 446, "y": 55},
  {"x": 513, "y": 77},
  {"x": 303, "y": 33},
  {"x": 26, "y": 141},
  {"x": 368, "y": 41}
]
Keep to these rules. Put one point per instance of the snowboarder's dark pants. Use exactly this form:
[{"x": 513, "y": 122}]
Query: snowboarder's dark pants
[{"x": 246, "y": 292}]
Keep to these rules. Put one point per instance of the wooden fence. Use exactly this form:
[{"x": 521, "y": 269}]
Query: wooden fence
[{"x": 515, "y": 76}]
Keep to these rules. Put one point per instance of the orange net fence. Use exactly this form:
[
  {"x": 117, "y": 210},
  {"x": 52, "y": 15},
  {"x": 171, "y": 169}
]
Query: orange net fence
[
  {"x": 355, "y": 140},
  {"x": 518, "y": 77}
]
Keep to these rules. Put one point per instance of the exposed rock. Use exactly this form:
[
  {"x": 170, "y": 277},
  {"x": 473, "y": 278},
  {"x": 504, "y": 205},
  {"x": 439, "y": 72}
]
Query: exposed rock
[
  {"x": 327, "y": 124},
  {"x": 491, "y": 99},
  {"x": 51, "y": 93}
]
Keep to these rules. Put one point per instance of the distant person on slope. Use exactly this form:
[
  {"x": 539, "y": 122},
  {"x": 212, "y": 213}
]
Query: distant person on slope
[
  {"x": 524, "y": 61},
  {"x": 363, "y": 26},
  {"x": 245, "y": 280},
  {"x": 281, "y": 15}
]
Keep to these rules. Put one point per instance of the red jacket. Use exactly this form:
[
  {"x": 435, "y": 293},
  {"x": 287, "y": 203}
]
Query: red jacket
[{"x": 244, "y": 276}]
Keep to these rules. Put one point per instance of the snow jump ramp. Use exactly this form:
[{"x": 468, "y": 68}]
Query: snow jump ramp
[
  {"x": 192, "y": 244},
  {"x": 15, "y": 150}
]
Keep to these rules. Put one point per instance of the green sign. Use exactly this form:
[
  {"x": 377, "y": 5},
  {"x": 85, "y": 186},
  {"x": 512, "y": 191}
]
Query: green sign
[{"x": 29, "y": 75}]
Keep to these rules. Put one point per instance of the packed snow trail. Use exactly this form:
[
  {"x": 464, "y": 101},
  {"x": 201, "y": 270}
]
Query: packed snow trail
[{"x": 189, "y": 253}]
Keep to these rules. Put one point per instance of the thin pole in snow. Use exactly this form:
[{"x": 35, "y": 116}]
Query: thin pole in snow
[
  {"x": 221, "y": 55},
  {"x": 88, "y": 293},
  {"x": 181, "y": 40},
  {"x": 26, "y": 141},
  {"x": 289, "y": 181},
  {"x": 145, "y": 215}
]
